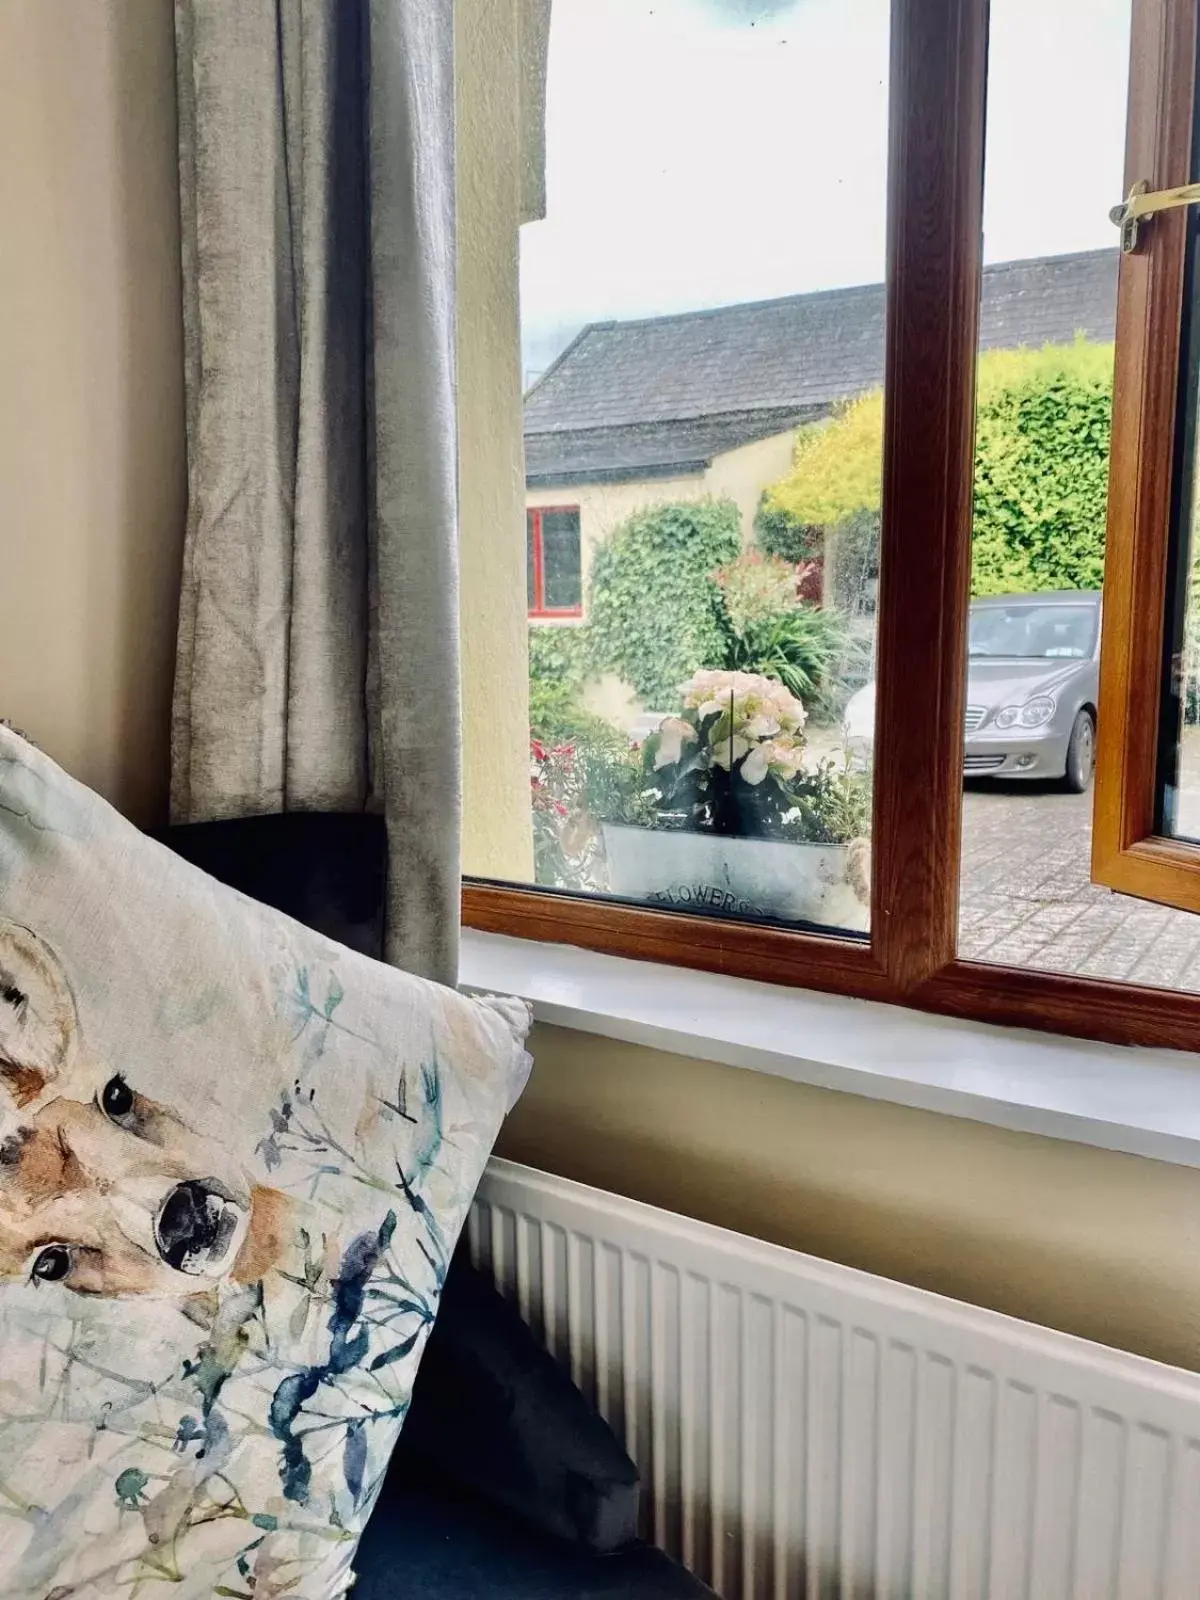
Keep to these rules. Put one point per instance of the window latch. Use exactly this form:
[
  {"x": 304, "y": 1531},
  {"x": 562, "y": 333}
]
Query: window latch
[{"x": 1142, "y": 204}]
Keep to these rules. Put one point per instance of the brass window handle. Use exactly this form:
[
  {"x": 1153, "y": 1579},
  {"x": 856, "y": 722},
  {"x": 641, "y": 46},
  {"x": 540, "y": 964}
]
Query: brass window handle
[{"x": 1143, "y": 204}]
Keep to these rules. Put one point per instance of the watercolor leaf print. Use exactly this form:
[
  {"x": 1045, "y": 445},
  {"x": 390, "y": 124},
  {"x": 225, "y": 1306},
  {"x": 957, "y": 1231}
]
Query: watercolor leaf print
[{"x": 349, "y": 1343}]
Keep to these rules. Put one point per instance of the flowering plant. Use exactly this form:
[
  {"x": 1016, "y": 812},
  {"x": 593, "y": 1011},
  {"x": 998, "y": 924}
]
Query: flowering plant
[
  {"x": 732, "y": 763},
  {"x": 554, "y": 791}
]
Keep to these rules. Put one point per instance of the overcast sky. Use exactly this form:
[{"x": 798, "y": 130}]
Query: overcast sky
[{"x": 702, "y": 152}]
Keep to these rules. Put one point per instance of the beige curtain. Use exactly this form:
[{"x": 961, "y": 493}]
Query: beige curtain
[{"x": 318, "y": 643}]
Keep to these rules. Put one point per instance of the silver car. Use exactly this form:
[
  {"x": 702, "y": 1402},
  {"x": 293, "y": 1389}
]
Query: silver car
[{"x": 1033, "y": 679}]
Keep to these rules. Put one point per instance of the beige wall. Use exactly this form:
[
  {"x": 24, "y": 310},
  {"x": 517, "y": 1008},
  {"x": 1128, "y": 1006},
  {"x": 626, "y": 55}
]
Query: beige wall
[
  {"x": 1102, "y": 1245},
  {"x": 92, "y": 476},
  {"x": 742, "y": 475}
]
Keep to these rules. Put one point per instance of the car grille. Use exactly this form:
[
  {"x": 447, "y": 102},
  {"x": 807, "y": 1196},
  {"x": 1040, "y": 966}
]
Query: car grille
[
  {"x": 982, "y": 763},
  {"x": 974, "y": 716}
]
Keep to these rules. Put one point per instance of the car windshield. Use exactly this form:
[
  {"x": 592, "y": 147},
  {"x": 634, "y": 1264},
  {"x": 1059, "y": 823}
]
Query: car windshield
[{"x": 1033, "y": 631}]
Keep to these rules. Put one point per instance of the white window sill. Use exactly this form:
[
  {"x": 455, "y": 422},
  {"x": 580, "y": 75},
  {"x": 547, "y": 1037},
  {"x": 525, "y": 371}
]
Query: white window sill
[{"x": 1143, "y": 1102}]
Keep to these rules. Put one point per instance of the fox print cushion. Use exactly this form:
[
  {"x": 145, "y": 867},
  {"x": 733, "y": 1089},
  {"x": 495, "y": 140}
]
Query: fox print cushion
[{"x": 234, "y": 1161}]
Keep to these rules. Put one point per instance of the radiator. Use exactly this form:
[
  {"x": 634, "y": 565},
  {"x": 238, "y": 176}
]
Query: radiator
[{"x": 806, "y": 1430}]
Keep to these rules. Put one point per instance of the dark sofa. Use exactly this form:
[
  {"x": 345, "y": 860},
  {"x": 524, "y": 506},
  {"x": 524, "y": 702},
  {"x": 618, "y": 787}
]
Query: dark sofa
[{"x": 506, "y": 1484}]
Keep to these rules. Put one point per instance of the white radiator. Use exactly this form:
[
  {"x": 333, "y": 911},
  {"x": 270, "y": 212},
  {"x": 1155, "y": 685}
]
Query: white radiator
[{"x": 805, "y": 1430}]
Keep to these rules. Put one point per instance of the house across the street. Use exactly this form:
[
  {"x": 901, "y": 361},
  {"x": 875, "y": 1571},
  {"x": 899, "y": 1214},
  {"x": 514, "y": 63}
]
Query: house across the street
[{"x": 709, "y": 402}]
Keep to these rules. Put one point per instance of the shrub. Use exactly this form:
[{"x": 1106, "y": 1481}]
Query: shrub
[
  {"x": 778, "y": 533},
  {"x": 756, "y": 586},
  {"x": 794, "y": 647},
  {"x": 557, "y": 669},
  {"x": 769, "y": 631},
  {"x": 655, "y": 612},
  {"x": 856, "y": 563}
]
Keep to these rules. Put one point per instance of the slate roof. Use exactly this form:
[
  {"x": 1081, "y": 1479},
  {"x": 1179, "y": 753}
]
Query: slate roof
[{"x": 664, "y": 395}]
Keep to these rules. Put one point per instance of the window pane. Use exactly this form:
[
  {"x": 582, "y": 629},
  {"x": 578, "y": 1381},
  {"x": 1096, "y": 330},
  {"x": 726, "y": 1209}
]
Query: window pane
[
  {"x": 1179, "y": 767},
  {"x": 531, "y": 529},
  {"x": 560, "y": 558},
  {"x": 703, "y": 433},
  {"x": 1041, "y": 480}
]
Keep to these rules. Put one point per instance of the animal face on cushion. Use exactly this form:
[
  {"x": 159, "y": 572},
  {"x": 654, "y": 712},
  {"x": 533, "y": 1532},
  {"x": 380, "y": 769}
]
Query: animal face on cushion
[{"x": 102, "y": 1189}]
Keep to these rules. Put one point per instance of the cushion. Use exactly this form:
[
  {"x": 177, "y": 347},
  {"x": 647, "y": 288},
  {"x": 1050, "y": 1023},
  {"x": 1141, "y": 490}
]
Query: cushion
[
  {"x": 492, "y": 1409},
  {"x": 326, "y": 869},
  {"x": 431, "y": 1540},
  {"x": 234, "y": 1159}
]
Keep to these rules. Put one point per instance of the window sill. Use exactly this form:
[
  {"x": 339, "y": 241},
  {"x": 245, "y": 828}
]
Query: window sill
[{"x": 1139, "y": 1101}]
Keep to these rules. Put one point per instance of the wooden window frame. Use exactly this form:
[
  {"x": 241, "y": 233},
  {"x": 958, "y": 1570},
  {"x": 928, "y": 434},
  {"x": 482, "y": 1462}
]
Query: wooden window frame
[
  {"x": 935, "y": 206},
  {"x": 543, "y": 612},
  {"x": 1128, "y": 853}
]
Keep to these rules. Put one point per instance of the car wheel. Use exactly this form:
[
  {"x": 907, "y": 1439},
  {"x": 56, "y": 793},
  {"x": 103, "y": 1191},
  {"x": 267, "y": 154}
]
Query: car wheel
[{"x": 1081, "y": 754}]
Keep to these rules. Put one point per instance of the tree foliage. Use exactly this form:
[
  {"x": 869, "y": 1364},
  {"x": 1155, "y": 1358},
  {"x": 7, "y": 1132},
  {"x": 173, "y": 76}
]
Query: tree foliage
[
  {"x": 655, "y": 611},
  {"x": 1041, "y": 468},
  {"x": 778, "y": 533},
  {"x": 838, "y": 466}
]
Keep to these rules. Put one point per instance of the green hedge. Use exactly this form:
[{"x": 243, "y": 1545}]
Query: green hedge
[
  {"x": 1041, "y": 487},
  {"x": 655, "y": 613}
]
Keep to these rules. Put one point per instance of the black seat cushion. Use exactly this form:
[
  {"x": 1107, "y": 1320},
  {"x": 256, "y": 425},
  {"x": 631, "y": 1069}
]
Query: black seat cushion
[
  {"x": 432, "y": 1539},
  {"x": 494, "y": 1411},
  {"x": 326, "y": 869}
]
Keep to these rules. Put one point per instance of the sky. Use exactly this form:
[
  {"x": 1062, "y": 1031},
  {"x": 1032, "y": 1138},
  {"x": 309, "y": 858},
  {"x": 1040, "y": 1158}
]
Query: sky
[{"x": 703, "y": 152}]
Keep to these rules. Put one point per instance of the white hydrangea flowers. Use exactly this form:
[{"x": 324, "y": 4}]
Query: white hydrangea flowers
[{"x": 736, "y": 717}]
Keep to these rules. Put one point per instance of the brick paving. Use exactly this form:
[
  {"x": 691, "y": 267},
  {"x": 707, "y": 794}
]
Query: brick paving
[{"x": 1027, "y": 899}]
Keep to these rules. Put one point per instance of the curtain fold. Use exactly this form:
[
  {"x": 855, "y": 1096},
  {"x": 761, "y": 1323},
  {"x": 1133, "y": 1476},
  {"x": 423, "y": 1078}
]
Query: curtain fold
[{"x": 318, "y": 643}]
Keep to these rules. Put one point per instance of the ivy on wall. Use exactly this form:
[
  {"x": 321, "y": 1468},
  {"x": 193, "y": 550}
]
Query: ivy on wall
[
  {"x": 655, "y": 611},
  {"x": 558, "y": 669}
]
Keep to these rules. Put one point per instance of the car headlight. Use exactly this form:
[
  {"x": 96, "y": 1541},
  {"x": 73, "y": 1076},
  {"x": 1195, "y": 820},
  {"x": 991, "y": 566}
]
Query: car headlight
[{"x": 1036, "y": 713}]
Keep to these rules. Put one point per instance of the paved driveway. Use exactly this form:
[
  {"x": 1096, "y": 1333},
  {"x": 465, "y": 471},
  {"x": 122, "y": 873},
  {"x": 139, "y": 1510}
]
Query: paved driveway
[{"x": 1027, "y": 899}]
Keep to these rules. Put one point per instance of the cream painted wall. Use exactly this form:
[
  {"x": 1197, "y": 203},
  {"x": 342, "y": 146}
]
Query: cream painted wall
[
  {"x": 92, "y": 469},
  {"x": 497, "y": 831},
  {"x": 743, "y": 474},
  {"x": 1102, "y": 1245}
]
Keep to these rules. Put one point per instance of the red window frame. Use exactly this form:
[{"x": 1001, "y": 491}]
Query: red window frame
[{"x": 533, "y": 522}]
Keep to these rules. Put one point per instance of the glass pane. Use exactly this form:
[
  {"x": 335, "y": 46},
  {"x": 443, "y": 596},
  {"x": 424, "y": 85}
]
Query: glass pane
[
  {"x": 703, "y": 371},
  {"x": 560, "y": 559},
  {"x": 1179, "y": 762},
  {"x": 1041, "y": 485},
  {"x": 531, "y": 561}
]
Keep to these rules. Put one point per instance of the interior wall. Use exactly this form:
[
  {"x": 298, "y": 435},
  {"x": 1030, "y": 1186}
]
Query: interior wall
[
  {"x": 497, "y": 817},
  {"x": 92, "y": 466},
  {"x": 1083, "y": 1240}
]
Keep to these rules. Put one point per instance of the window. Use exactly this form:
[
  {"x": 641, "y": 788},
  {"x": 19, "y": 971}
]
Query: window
[
  {"x": 938, "y": 430},
  {"x": 1147, "y": 820},
  {"x": 553, "y": 561}
]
